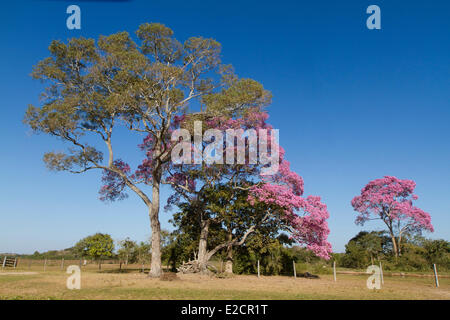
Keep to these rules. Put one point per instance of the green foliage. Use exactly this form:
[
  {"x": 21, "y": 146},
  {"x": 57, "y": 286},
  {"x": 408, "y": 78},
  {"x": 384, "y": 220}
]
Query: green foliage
[
  {"x": 230, "y": 215},
  {"x": 128, "y": 250},
  {"x": 363, "y": 249},
  {"x": 417, "y": 253},
  {"x": 438, "y": 252},
  {"x": 67, "y": 254},
  {"x": 143, "y": 250},
  {"x": 97, "y": 246},
  {"x": 235, "y": 100},
  {"x": 276, "y": 257},
  {"x": 181, "y": 248}
]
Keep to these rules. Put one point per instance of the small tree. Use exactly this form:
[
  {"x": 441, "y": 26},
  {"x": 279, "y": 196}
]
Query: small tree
[
  {"x": 97, "y": 247},
  {"x": 127, "y": 251},
  {"x": 391, "y": 200},
  {"x": 142, "y": 253}
]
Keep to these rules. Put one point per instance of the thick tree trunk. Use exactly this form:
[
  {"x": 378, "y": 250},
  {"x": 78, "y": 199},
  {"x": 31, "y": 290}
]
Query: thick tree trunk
[
  {"x": 229, "y": 261},
  {"x": 203, "y": 244},
  {"x": 155, "y": 267},
  {"x": 395, "y": 246}
]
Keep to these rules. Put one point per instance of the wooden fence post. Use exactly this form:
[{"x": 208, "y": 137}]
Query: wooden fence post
[
  {"x": 258, "y": 268},
  {"x": 45, "y": 264},
  {"x": 4, "y": 262},
  {"x": 436, "y": 276},
  {"x": 62, "y": 264},
  {"x": 15, "y": 262},
  {"x": 334, "y": 270},
  {"x": 381, "y": 273},
  {"x": 295, "y": 271}
]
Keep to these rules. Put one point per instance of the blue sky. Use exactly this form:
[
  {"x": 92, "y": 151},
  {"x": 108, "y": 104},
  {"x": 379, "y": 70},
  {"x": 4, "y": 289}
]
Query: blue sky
[{"x": 351, "y": 105}]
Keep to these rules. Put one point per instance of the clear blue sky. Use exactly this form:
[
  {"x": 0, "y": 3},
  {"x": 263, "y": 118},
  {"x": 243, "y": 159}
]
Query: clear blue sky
[{"x": 351, "y": 104}]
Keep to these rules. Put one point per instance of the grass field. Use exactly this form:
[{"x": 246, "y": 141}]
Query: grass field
[{"x": 34, "y": 283}]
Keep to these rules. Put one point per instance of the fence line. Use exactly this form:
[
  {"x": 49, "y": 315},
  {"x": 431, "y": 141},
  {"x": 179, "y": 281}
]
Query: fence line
[{"x": 111, "y": 264}]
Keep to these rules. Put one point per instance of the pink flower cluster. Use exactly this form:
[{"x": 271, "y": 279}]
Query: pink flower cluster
[
  {"x": 113, "y": 184},
  {"x": 306, "y": 218}
]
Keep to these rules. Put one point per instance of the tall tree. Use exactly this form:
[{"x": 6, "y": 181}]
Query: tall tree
[
  {"x": 96, "y": 86},
  {"x": 391, "y": 200}
]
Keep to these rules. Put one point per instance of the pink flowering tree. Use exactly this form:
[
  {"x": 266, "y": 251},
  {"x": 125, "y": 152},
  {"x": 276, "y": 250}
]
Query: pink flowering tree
[
  {"x": 391, "y": 200},
  {"x": 216, "y": 193}
]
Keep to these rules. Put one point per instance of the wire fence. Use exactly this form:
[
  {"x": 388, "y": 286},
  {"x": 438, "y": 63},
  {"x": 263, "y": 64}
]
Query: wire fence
[
  {"x": 117, "y": 266},
  {"x": 40, "y": 265}
]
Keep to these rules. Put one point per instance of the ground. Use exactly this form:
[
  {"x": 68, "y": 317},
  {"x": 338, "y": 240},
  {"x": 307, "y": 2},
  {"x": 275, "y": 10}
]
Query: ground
[{"x": 132, "y": 284}]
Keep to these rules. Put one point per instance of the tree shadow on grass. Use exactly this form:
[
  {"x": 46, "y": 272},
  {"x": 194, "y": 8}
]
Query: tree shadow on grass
[{"x": 128, "y": 270}]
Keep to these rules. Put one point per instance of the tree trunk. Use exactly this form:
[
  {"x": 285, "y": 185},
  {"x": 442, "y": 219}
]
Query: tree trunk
[
  {"x": 394, "y": 245},
  {"x": 155, "y": 267},
  {"x": 203, "y": 243},
  {"x": 229, "y": 262}
]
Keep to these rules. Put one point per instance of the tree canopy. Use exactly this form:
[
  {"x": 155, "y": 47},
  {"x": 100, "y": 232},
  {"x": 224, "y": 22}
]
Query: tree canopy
[{"x": 97, "y": 246}]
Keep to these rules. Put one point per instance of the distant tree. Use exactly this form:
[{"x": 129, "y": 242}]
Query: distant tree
[
  {"x": 143, "y": 250},
  {"x": 97, "y": 247},
  {"x": 364, "y": 248},
  {"x": 127, "y": 250},
  {"x": 391, "y": 200},
  {"x": 438, "y": 251}
]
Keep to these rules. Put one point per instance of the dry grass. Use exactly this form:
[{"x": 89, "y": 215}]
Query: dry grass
[{"x": 135, "y": 285}]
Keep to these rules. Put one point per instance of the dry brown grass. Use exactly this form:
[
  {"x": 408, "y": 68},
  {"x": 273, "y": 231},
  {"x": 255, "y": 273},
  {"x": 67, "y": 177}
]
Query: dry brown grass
[{"x": 135, "y": 285}]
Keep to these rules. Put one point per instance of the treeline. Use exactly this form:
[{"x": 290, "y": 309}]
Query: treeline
[
  {"x": 67, "y": 254},
  {"x": 275, "y": 254},
  {"x": 417, "y": 253}
]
